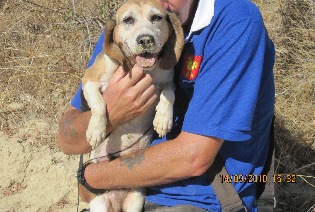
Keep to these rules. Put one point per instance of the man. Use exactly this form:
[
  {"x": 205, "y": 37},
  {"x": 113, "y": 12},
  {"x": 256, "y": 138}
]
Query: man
[{"x": 224, "y": 105}]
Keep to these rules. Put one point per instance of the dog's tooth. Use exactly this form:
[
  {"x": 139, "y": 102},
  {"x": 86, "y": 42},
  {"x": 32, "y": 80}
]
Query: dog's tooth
[{"x": 145, "y": 62}]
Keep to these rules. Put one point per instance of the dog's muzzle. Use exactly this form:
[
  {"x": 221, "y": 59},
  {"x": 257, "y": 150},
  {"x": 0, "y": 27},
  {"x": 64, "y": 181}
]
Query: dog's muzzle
[{"x": 145, "y": 41}]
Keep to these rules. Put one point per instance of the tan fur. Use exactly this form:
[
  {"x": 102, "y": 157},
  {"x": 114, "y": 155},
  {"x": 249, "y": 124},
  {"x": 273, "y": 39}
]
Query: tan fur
[{"x": 121, "y": 45}]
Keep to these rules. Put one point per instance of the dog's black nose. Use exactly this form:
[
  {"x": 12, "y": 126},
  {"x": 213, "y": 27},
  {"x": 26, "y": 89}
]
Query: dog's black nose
[{"x": 145, "y": 41}]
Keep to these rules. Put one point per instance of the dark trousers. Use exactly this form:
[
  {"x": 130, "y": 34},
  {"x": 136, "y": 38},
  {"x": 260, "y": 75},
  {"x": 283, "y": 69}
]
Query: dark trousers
[{"x": 151, "y": 207}]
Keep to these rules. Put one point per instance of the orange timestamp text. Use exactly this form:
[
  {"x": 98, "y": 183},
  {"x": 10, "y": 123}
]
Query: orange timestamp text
[{"x": 252, "y": 178}]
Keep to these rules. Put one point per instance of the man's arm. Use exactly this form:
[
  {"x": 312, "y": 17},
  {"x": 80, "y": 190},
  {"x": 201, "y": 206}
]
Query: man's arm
[
  {"x": 186, "y": 156},
  {"x": 71, "y": 136},
  {"x": 127, "y": 96}
]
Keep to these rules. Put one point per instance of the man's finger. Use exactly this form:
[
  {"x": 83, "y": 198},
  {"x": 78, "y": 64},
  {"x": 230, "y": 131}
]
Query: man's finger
[
  {"x": 85, "y": 195},
  {"x": 133, "y": 76},
  {"x": 118, "y": 75},
  {"x": 149, "y": 101},
  {"x": 148, "y": 93},
  {"x": 143, "y": 84}
]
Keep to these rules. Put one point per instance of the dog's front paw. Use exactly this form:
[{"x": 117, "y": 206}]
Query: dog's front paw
[
  {"x": 163, "y": 120},
  {"x": 96, "y": 131}
]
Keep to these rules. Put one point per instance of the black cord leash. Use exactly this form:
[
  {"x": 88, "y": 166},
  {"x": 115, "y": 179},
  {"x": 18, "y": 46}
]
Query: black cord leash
[
  {"x": 81, "y": 178},
  {"x": 82, "y": 166}
]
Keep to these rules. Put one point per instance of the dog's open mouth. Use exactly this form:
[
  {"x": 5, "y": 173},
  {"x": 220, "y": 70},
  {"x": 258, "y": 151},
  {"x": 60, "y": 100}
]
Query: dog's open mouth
[{"x": 146, "y": 60}]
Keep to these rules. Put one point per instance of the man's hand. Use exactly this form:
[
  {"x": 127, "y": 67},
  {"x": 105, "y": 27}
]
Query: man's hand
[
  {"x": 128, "y": 95},
  {"x": 85, "y": 195}
]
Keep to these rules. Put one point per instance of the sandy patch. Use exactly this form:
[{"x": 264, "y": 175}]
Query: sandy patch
[{"x": 34, "y": 177}]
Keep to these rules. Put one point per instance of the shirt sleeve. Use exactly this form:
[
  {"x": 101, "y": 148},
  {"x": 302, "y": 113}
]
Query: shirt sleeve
[
  {"x": 227, "y": 88},
  {"x": 78, "y": 100}
]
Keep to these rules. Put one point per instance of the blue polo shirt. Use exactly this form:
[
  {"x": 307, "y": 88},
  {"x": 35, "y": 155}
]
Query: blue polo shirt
[{"x": 224, "y": 89}]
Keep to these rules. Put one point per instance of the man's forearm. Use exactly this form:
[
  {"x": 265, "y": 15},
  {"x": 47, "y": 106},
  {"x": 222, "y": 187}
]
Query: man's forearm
[
  {"x": 186, "y": 156},
  {"x": 128, "y": 172}
]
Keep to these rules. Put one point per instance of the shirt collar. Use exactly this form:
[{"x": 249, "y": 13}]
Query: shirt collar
[{"x": 203, "y": 16}]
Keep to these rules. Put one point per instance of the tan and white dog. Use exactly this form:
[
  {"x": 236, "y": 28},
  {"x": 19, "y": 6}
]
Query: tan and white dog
[{"x": 140, "y": 32}]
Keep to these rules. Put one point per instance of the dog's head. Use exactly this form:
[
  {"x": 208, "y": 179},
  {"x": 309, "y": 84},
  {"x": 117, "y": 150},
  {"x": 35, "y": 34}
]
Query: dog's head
[{"x": 143, "y": 32}]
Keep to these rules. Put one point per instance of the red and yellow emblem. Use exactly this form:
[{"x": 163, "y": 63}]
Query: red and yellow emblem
[{"x": 191, "y": 66}]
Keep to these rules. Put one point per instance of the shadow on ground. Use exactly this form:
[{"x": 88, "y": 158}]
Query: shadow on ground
[{"x": 293, "y": 156}]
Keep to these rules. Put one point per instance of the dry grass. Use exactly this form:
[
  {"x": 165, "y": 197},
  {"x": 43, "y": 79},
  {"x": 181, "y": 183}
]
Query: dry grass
[
  {"x": 291, "y": 24},
  {"x": 45, "y": 46}
]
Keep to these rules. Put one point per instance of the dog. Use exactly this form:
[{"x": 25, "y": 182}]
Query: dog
[{"x": 141, "y": 32}]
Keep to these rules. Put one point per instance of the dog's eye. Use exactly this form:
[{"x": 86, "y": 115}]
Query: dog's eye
[
  {"x": 129, "y": 20},
  {"x": 156, "y": 18}
]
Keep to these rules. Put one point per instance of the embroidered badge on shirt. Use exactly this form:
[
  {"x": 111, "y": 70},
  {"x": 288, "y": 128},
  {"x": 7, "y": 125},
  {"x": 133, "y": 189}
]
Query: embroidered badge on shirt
[{"x": 191, "y": 66}]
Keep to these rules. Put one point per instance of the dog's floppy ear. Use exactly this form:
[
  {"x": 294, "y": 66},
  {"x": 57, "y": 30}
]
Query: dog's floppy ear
[
  {"x": 112, "y": 49},
  {"x": 174, "y": 46}
]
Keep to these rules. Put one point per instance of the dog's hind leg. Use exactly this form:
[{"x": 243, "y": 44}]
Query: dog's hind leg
[
  {"x": 100, "y": 204},
  {"x": 135, "y": 200}
]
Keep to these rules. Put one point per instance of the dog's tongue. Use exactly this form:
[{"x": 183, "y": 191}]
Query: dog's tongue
[{"x": 146, "y": 61}]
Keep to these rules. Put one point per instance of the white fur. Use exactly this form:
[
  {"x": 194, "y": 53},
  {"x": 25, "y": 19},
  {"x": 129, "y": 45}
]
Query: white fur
[{"x": 163, "y": 120}]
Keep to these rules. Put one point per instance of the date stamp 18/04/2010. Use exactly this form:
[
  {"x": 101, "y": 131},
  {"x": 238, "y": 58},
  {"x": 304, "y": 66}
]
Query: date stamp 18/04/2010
[{"x": 252, "y": 178}]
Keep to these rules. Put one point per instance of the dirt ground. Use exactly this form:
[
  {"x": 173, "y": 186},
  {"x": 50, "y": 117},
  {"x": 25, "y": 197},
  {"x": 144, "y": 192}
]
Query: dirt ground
[{"x": 36, "y": 178}]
